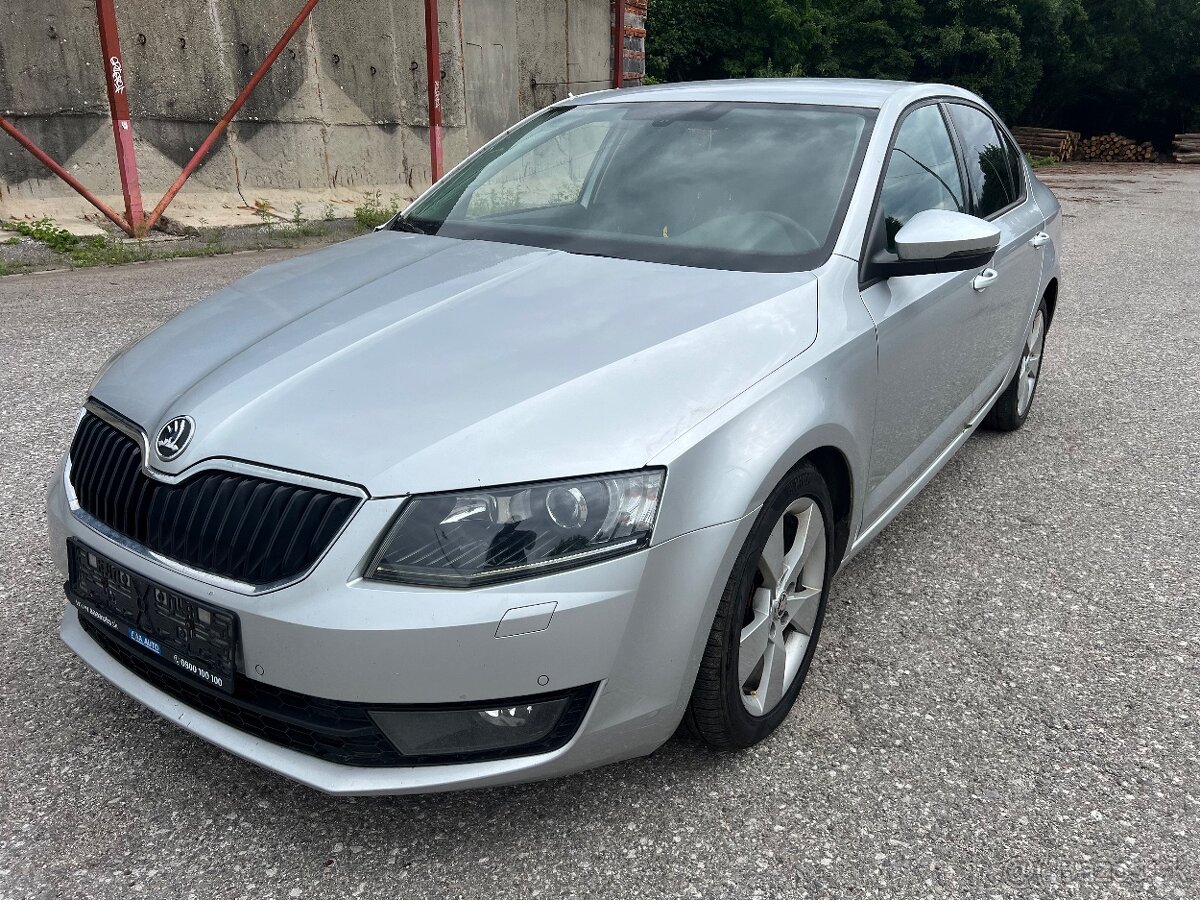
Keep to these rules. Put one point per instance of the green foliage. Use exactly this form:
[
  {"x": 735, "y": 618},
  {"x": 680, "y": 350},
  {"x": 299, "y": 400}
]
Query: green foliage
[
  {"x": 100, "y": 250},
  {"x": 373, "y": 211},
  {"x": 57, "y": 239},
  {"x": 1041, "y": 162},
  {"x": 1130, "y": 66},
  {"x": 265, "y": 213}
]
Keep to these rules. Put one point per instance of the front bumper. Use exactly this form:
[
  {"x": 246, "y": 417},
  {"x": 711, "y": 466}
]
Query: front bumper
[{"x": 634, "y": 626}]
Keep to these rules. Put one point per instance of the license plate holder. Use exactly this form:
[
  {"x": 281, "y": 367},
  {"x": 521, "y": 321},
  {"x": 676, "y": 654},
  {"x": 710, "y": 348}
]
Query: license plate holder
[{"x": 195, "y": 638}]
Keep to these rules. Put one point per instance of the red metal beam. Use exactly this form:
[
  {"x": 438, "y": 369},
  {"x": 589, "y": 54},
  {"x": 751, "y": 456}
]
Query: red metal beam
[
  {"x": 433, "y": 65},
  {"x": 62, "y": 173},
  {"x": 118, "y": 105},
  {"x": 203, "y": 150},
  {"x": 618, "y": 43}
]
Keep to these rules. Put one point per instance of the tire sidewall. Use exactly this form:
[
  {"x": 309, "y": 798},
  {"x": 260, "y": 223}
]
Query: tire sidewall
[
  {"x": 1037, "y": 382},
  {"x": 1005, "y": 415},
  {"x": 804, "y": 481}
]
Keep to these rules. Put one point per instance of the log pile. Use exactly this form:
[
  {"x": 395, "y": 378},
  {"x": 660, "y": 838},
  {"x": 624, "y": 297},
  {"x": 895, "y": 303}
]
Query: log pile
[
  {"x": 1052, "y": 142},
  {"x": 1113, "y": 147},
  {"x": 1187, "y": 148}
]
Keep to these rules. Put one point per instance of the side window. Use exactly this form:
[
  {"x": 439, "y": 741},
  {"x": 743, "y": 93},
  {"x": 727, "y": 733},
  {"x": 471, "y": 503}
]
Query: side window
[
  {"x": 989, "y": 167},
  {"x": 922, "y": 172},
  {"x": 1016, "y": 165}
]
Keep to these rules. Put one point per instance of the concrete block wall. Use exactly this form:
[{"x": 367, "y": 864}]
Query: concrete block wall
[{"x": 344, "y": 108}]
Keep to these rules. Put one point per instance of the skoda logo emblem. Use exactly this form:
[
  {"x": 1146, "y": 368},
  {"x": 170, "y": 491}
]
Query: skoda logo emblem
[{"x": 173, "y": 438}]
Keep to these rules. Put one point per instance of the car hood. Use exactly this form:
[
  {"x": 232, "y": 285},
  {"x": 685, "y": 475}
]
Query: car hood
[{"x": 409, "y": 363}]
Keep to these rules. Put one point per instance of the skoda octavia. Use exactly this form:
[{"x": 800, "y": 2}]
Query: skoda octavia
[{"x": 568, "y": 453}]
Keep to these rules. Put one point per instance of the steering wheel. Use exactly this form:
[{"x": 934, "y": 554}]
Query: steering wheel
[{"x": 799, "y": 234}]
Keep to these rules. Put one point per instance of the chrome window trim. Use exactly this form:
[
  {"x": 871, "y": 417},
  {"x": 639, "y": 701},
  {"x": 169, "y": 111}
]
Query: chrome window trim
[{"x": 116, "y": 420}]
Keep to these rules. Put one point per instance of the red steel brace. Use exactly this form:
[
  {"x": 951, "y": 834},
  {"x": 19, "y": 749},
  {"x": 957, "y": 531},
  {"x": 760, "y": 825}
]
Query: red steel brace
[
  {"x": 136, "y": 222},
  {"x": 118, "y": 105},
  {"x": 44, "y": 158},
  {"x": 219, "y": 129},
  {"x": 433, "y": 65},
  {"x": 618, "y": 43}
]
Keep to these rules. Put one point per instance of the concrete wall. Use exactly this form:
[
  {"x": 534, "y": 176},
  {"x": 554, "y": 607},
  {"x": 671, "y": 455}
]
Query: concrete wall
[{"x": 344, "y": 108}]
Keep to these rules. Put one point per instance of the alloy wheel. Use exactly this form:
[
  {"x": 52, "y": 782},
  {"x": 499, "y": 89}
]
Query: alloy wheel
[
  {"x": 782, "y": 608},
  {"x": 1031, "y": 363}
]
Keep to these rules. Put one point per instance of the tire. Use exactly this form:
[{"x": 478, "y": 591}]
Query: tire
[
  {"x": 727, "y": 710},
  {"x": 1012, "y": 407}
]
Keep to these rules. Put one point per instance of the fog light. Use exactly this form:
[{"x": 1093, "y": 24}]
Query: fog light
[{"x": 470, "y": 730}]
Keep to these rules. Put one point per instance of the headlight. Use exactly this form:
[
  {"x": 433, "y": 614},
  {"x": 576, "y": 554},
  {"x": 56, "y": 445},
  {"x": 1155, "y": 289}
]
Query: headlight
[{"x": 475, "y": 537}]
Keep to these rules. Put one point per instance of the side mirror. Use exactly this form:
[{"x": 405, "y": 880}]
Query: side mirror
[{"x": 938, "y": 241}]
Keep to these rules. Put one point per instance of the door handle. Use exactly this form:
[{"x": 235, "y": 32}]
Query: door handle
[
  {"x": 984, "y": 279},
  {"x": 1040, "y": 239}
]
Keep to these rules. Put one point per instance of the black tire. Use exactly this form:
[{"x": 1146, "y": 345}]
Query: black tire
[
  {"x": 1008, "y": 413},
  {"x": 716, "y": 713}
]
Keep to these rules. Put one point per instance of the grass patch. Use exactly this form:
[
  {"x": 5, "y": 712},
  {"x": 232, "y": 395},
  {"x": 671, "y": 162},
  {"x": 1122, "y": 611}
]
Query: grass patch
[
  {"x": 1041, "y": 162},
  {"x": 57, "y": 239},
  {"x": 57, "y": 247},
  {"x": 99, "y": 250}
]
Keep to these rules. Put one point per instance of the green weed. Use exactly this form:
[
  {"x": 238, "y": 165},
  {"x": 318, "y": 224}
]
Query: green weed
[
  {"x": 373, "y": 211},
  {"x": 57, "y": 239}
]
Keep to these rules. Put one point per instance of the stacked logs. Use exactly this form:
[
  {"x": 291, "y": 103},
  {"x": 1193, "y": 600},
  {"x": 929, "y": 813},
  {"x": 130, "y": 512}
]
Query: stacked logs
[
  {"x": 1052, "y": 142},
  {"x": 1187, "y": 148},
  {"x": 1113, "y": 147}
]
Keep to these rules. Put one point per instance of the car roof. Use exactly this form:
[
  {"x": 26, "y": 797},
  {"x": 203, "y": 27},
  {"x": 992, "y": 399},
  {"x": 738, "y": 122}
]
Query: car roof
[{"x": 860, "y": 92}]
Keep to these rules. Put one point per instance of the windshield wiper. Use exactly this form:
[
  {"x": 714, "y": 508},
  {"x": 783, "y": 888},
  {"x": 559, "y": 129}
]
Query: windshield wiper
[{"x": 403, "y": 224}]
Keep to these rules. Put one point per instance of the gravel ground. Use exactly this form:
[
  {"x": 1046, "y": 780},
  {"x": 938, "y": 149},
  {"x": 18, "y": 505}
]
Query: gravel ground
[{"x": 1005, "y": 702}]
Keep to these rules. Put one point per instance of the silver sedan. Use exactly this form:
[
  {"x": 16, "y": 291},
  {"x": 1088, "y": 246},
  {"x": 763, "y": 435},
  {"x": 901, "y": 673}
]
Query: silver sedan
[{"x": 570, "y": 451}]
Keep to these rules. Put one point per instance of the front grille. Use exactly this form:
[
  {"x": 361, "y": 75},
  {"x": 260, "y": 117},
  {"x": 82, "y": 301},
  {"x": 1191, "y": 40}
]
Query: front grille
[
  {"x": 334, "y": 730},
  {"x": 250, "y": 529}
]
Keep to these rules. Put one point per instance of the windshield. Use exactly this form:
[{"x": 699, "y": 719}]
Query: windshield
[{"x": 744, "y": 186}]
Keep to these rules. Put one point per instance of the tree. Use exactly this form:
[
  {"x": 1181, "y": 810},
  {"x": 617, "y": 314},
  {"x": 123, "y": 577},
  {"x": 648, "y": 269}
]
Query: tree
[{"x": 1131, "y": 66}]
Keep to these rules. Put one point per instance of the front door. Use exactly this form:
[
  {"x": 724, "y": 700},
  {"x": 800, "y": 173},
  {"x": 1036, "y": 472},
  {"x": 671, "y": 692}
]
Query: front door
[{"x": 927, "y": 326}]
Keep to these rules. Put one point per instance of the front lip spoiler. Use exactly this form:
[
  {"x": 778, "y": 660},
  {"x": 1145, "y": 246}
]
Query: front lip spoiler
[{"x": 330, "y": 778}]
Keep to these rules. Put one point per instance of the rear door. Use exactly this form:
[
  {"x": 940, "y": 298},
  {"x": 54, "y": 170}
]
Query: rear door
[
  {"x": 930, "y": 363},
  {"x": 998, "y": 191}
]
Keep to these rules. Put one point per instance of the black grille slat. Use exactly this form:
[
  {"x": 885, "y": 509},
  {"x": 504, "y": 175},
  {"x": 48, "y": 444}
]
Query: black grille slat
[
  {"x": 329, "y": 515},
  {"x": 106, "y": 473},
  {"x": 250, "y": 529},
  {"x": 294, "y": 549}
]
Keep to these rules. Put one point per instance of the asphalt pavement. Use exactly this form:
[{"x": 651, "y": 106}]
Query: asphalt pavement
[{"x": 1005, "y": 702}]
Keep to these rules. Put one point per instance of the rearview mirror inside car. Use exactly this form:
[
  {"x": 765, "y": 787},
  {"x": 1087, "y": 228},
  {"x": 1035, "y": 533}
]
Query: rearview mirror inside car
[{"x": 938, "y": 241}]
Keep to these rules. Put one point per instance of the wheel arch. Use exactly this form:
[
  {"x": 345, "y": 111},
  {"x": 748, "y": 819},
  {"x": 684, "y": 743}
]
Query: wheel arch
[
  {"x": 1050, "y": 295},
  {"x": 835, "y": 469}
]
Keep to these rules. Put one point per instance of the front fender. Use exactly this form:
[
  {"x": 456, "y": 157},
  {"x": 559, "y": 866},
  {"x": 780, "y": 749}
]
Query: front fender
[{"x": 825, "y": 397}]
